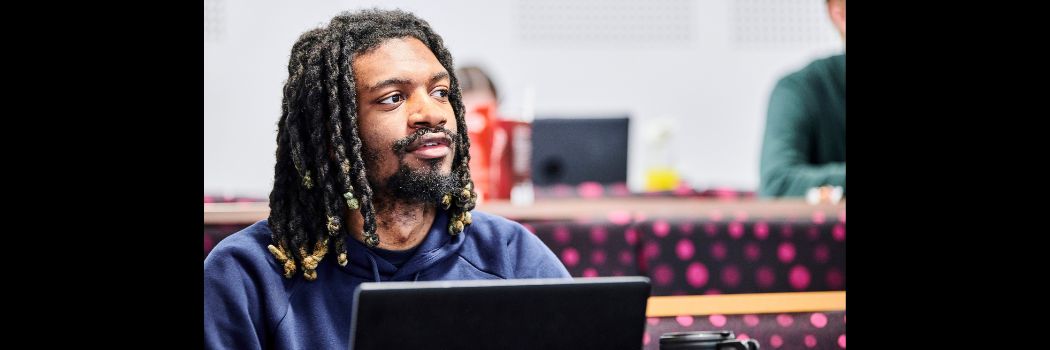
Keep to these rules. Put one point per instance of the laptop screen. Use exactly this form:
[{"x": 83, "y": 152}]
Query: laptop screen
[
  {"x": 585, "y": 313},
  {"x": 571, "y": 151}
]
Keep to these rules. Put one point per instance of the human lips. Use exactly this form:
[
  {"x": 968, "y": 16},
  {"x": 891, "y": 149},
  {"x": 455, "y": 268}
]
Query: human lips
[{"x": 430, "y": 146}]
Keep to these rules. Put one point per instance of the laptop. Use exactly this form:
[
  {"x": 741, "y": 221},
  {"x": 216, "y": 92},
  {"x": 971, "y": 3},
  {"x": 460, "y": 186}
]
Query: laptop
[
  {"x": 584, "y": 313},
  {"x": 573, "y": 150}
]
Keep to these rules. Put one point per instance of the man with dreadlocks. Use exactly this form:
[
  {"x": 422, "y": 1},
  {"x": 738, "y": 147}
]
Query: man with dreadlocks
[{"x": 371, "y": 184}]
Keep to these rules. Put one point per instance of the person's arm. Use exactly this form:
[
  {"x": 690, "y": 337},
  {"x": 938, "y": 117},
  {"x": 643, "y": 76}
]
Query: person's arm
[
  {"x": 785, "y": 169},
  {"x": 231, "y": 304},
  {"x": 536, "y": 260}
]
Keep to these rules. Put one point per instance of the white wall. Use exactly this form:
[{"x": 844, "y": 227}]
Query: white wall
[{"x": 705, "y": 65}]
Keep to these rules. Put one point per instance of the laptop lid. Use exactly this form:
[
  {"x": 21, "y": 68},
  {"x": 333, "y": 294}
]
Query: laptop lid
[{"x": 585, "y": 313}]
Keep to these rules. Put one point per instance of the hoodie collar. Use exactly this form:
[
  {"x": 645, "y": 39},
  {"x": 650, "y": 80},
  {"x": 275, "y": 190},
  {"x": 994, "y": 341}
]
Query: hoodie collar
[{"x": 436, "y": 246}]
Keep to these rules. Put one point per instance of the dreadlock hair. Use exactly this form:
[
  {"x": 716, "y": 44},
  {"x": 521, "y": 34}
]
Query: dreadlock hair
[{"x": 320, "y": 172}]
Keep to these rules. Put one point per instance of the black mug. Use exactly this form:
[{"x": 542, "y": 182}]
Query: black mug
[{"x": 705, "y": 340}]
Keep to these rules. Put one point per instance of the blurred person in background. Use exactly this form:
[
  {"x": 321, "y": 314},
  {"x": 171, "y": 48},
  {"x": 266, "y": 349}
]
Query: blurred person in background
[
  {"x": 481, "y": 103},
  {"x": 804, "y": 146}
]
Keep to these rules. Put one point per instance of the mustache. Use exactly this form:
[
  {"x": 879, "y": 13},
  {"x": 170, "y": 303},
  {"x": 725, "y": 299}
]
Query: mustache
[{"x": 401, "y": 144}]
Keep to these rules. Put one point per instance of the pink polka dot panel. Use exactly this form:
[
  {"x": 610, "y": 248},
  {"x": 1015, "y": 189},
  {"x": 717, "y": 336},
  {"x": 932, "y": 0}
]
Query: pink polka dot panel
[{"x": 754, "y": 259}]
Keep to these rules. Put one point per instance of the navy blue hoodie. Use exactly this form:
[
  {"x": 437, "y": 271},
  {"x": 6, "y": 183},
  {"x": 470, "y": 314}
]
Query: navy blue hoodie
[{"x": 248, "y": 304}]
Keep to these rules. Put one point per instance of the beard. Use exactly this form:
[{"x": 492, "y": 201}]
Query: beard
[{"x": 426, "y": 184}]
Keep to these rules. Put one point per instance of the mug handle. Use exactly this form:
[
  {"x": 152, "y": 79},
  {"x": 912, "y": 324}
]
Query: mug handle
[{"x": 749, "y": 344}]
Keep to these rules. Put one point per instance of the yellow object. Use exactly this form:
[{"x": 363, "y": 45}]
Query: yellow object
[{"x": 661, "y": 179}]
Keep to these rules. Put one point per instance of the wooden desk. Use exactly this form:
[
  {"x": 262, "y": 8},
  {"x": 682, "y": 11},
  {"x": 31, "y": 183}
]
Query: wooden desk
[
  {"x": 585, "y": 209},
  {"x": 733, "y": 304}
]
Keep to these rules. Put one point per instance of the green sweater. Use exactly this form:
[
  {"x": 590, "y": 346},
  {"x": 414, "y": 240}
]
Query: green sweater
[{"x": 805, "y": 139}]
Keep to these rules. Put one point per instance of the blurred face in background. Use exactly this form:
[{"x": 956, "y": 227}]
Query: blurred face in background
[{"x": 837, "y": 11}]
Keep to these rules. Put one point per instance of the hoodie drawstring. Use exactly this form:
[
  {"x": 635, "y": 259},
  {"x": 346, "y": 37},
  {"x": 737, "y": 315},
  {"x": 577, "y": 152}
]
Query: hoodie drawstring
[{"x": 375, "y": 267}]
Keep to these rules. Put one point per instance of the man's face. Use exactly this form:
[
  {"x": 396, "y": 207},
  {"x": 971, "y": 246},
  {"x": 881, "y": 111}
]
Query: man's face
[{"x": 402, "y": 88}]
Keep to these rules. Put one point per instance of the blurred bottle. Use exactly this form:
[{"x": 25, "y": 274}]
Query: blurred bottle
[
  {"x": 521, "y": 169},
  {"x": 660, "y": 172},
  {"x": 481, "y": 123},
  {"x": 520, "y": 141}
]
